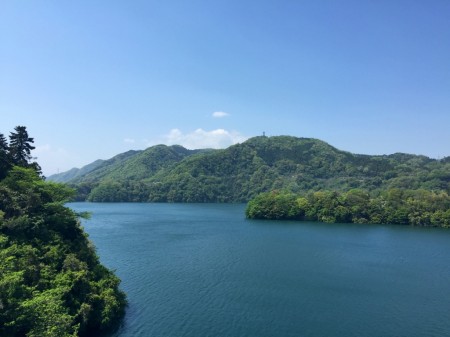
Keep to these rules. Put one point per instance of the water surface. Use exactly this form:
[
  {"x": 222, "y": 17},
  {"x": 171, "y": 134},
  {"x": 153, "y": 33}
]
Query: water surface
[{"x": 204, "y": 270}]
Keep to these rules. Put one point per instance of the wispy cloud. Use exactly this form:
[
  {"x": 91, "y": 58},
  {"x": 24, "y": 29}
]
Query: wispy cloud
[
  {"x": 200, "y": 139},
  {"x": 220, "y": 114},
  {"x": 53, "y": 160},
  {"x": 129, "y": 140}
]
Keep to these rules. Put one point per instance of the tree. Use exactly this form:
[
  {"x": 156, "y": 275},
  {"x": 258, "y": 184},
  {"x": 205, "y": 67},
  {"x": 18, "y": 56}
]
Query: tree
[
  {"x": 403, "y": 207},
  {"x": 20, "y": 146},
  {"x": 5, "y": 163},
  {"x": 51, "y": 281}
]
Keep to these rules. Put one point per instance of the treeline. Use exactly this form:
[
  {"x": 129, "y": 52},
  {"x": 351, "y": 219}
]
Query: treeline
[
  {"x": 51, "y": 281},
  {"x": 393, "y": 206}
]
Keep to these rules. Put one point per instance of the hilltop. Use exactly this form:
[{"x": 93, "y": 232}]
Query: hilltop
[{"x": 236, "y": 174}]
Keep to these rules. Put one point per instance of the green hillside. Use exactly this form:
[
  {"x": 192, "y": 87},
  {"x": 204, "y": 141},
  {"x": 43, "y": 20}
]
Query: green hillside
[
  {"x": 51, "y": 280},
  {"x": 238, "y": 173}
]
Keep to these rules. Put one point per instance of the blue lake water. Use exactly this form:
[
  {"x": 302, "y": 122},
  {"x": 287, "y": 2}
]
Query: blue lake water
[{"x": 205, "y": 270}]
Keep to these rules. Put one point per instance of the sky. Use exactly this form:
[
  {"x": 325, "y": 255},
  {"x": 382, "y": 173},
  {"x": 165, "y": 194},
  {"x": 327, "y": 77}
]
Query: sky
[{"x": 92, "y": 79}]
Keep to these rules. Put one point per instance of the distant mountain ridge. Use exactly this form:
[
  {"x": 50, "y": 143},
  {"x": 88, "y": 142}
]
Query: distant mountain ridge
[
  {"x": 99, "y": 165},
  {"x": 174, "y": 174}
]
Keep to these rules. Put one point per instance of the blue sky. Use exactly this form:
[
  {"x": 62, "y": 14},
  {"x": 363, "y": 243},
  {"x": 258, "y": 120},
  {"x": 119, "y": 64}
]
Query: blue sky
[{"x": 91, "y": 79}]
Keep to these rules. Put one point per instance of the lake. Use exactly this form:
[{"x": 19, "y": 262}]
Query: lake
[{"x": 204, "y": 270}]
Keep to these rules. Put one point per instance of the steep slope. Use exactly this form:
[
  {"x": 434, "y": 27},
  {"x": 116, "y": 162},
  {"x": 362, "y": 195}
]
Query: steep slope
[{"x": 51, "y": 280}]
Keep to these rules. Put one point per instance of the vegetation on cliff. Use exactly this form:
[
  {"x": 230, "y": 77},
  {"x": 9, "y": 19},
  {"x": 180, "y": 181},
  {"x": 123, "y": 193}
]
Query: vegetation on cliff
[{"x": 51, "y": 281}]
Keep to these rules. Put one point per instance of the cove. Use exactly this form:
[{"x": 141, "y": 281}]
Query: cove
[{"x": 205, "y": 270}]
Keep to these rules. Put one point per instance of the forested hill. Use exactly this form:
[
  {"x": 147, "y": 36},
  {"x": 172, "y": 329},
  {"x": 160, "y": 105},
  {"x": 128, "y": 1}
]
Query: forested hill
[
  {"x": 236, "y": 174},
  {"x": 52, "y": 283}
]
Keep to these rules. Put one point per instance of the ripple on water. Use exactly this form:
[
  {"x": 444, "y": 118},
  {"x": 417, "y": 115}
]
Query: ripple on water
[{"x": 204, "y": 270}]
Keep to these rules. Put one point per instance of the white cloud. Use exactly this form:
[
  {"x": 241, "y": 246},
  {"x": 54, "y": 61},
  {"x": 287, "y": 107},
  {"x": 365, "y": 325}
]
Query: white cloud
[
  {"x": 200, "y": 139},
  {"x": 129, "y": 140},
  {"x": 42, "y": 148},
  {"x": 220, "y": 114}
]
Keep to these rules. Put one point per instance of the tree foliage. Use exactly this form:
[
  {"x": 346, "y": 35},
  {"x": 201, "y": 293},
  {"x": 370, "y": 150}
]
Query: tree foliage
[
  {"x": 20, "y": 146},
  {"x": 5, "y": 160},
  {"x": 393, "y": 206},
  {"x": 51, "y": 281},
  {"x": 17, "y": 152}
]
